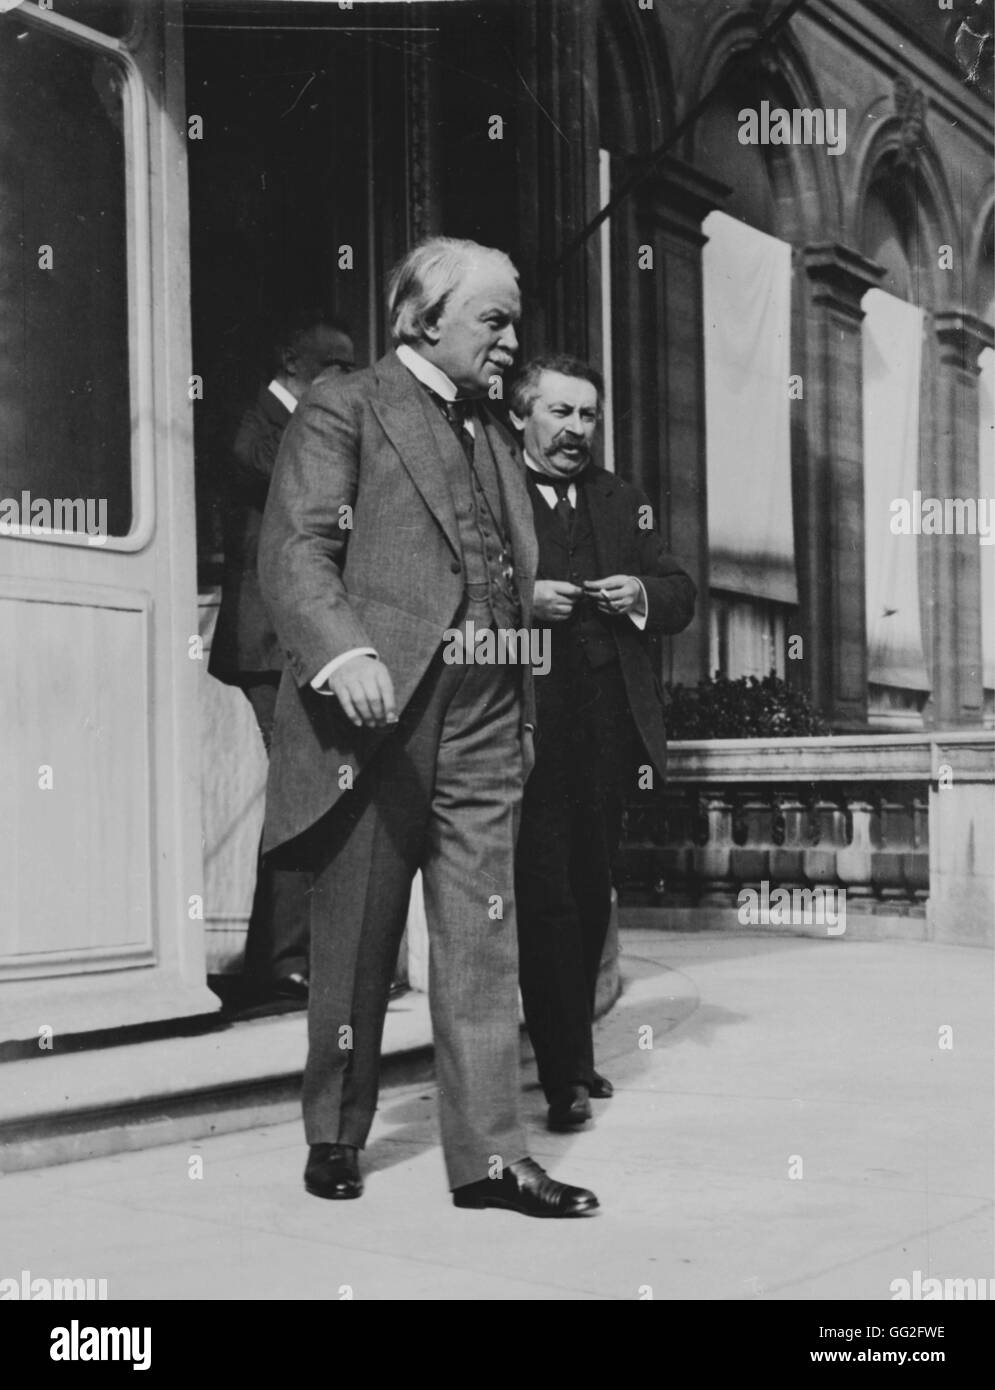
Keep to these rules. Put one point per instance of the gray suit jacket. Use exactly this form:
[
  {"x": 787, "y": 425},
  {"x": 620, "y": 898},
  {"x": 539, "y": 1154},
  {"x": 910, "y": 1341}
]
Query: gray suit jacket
[{"x": 359, "y": 547}]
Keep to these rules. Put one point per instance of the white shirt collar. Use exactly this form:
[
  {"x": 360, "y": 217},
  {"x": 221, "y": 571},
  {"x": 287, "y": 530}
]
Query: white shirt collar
[
  {"x": 427, "y": 372},
  {"x": 544, "y": 481},
  {"x": 283, "y": 395}
]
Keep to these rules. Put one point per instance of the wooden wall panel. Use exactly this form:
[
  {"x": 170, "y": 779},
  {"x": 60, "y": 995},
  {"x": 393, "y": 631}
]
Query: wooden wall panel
[{"x": 75, "y": 857}]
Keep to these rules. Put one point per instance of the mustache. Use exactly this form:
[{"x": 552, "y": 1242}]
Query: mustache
[{"x": 572, "y": 442}]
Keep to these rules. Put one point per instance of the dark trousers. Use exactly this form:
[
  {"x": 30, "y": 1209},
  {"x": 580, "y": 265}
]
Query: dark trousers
[
  {"x": 441, "y": 794},
  {"x": 277, "y": 941},
  {"x": 570, "y": 830}
]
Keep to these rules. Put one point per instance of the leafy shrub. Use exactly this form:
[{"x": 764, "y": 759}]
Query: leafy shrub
[{"x": 743, "y": 708}]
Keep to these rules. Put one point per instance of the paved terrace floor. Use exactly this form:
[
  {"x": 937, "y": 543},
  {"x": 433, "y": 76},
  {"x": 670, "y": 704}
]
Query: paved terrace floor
[{"x": 796, "y": 1130}]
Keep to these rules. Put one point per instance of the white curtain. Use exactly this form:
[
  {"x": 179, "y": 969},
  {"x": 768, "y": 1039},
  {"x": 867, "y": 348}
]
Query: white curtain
[
  {"x": 892, "y": 348},
  {"x": 747, "y": 305},
  {"x": 747, "y": 637},
  {"x": 986, "y": 475}
]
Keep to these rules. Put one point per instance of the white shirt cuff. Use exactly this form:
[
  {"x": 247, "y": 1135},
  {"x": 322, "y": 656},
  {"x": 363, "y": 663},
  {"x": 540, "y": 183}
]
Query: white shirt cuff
[
  {"x": 333, "y": 666},
  {"x": 640, "y": 619}
]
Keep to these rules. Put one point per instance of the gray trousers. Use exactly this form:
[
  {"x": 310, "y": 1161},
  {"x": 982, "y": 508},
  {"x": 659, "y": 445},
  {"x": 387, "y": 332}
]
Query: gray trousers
[{"x": 442, "y": 794}]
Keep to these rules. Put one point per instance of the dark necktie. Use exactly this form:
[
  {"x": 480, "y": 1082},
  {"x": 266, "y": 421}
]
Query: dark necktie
[
  {"x": 458, "y": 413},
  {"x": 563, "y": 508}
]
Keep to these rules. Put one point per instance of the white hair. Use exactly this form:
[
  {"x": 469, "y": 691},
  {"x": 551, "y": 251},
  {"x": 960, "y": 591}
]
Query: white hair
[{"x": 420, "y": 284}]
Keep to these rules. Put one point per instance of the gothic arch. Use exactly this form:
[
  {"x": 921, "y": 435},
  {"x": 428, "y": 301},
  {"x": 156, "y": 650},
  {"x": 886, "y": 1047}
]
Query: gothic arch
[
  {"x": 635, "y": 85},
  {"x": 897, "y": 159},
  {"x": 805, "y": 185}
]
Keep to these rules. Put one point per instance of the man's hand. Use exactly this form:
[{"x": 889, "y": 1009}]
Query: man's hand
[
  {"x": 528, "y": 750},
  {"x": 619, "y": 593},
  {"x": 554, "y": 599},
  {"x": 365, "y": 691}
]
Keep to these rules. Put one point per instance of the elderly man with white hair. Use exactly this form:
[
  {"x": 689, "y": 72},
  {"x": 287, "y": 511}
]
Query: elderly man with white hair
[{"x": 397, "y": 513}]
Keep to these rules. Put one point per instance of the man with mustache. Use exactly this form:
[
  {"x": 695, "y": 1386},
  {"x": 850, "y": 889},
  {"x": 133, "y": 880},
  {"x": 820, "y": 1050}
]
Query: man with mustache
[
  {"x": 605, "y": 586},
  {"x": 397, "y": 513}
]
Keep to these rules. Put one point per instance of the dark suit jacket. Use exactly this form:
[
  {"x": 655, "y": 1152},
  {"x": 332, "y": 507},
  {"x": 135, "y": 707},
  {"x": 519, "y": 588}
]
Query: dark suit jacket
[
  {"x": 624, "y": 546},
  {"x": 245, "y": 641},
  {"x": 360, "y": 547}
]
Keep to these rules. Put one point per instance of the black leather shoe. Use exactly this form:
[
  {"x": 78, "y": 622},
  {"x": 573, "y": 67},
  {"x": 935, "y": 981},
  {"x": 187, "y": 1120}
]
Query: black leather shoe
[
  {"x": 332, "y": 1171},
  {"x": 600, "y": 1088},
  {"x": 292, "y": 986},
  {"x": 569, "y": 1108},
  {"x": 527, "y": 1188}
]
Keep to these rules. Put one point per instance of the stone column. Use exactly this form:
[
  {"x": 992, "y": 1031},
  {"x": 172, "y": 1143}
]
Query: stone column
[
  {"x": 423, "y": 135},
  {"x": 961, "y": 906},
  {"x": 829, "y": 486},
  {"x": 659, "y": 354},
  {"x": 558, "y": 144},
  {"x": 953, "y": 562}
]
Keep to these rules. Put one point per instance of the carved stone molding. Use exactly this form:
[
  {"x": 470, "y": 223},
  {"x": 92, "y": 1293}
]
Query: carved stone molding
[
  {"x": 910, "y": 108},
  {"x": 841, "y": 277},
  {"x": 962, "y": 337},
  {"x": 681, "y": 197}
]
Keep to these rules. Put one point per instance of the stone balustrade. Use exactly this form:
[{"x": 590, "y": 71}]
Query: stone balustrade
[
  {"x": 704, "y": 845},
  {"x": 904, "y": 824}
]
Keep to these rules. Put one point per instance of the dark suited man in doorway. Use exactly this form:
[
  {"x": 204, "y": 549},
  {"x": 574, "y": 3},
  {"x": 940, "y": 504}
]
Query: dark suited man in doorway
[
  {"x": 397, "y": 514},
  {"x": 604, "y": 586},
  {"x": 245, "y": 651}
]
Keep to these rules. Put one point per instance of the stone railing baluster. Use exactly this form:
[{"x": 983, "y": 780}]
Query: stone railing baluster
[
  {"x": 749, "y": 863},
  {"x": 854, "y": 861},
  {"x": 916, "y": 865},
  {"x": 787, "y": 858},
  {"x": 894, "y": 843},
  {"x": 711, "y": 860},
  {"x": 826, "y": 838}
]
